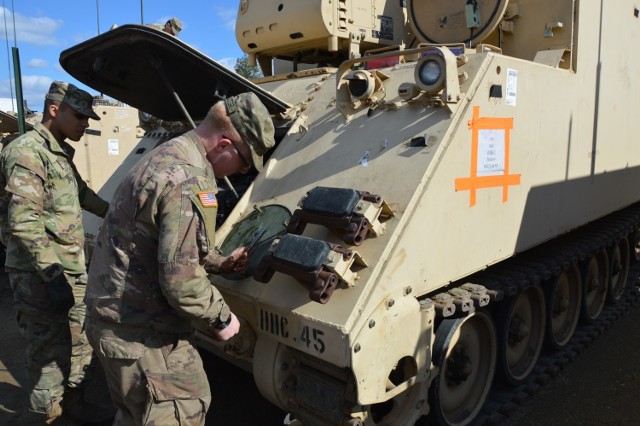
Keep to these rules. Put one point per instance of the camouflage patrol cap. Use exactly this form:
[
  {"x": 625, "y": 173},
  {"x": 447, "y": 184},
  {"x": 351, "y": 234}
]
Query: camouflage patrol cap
[
  {"x": 77, "y": 99},
  {"x": 252, "y": 121},
  {"x": 175, "y": 24}
]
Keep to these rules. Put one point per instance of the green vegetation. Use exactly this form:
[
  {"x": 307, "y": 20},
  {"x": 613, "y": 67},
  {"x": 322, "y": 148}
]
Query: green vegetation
[{"x": 243, "y": 68}]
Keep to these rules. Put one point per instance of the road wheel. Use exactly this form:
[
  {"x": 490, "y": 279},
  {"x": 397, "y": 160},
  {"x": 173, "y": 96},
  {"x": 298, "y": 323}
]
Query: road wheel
[
  {"x": 618, "y": 270},
  {"x": 595, "y": 274},
  {"x": 465, "y": 350},
  {"x": 563, "y": 299},
  {"x": 521, "y": 326}
]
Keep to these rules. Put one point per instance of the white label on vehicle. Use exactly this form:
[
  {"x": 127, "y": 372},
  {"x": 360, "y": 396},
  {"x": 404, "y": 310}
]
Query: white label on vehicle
[
  {"x": 491, "y": 153},
  {"x": 512, "y": 87},
  {"x": 114, "y": 147}
]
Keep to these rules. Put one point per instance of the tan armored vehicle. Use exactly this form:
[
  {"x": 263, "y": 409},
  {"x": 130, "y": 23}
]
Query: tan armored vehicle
[
  {"x": 10, "y": 127},
  {"x": 453, "y": 190},
  {"x": 108, "y": 142},
  {"x": 103, "y": 147}
]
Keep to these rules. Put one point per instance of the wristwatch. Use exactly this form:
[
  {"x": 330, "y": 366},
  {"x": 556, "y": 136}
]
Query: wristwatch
[{"x": 224, "y": 318}]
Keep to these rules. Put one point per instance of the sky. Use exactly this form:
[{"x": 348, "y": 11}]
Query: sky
[{"x": 45, "y": 28}]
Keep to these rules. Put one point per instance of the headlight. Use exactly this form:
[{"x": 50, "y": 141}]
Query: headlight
[
  {"x": 361, "y": 84},
  {"x": 430, "y": 73}
]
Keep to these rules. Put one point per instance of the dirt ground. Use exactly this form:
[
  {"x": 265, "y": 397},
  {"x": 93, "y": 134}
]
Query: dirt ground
[{"x": 600, "y": 387}]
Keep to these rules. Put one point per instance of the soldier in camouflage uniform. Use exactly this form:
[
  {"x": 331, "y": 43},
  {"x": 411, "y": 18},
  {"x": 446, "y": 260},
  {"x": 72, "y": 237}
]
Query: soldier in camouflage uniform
[
  {"x": 173, "y": 26},
  {"x": 148, "y": 284},
  {"x": 41, "y": 197}
]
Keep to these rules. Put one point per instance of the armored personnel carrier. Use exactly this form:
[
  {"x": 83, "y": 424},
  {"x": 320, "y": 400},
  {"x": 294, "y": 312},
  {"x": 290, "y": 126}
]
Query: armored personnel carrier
[
  {"x": 108, "y": 142},
  {"x": 104, "y": 145},
  {"x": 453, "y": 190}
]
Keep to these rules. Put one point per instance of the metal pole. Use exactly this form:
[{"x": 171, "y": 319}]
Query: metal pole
[
  {"x": 98, "y": 14},
  {"x": 18, "y": 78},
  {"x": 141, "y": 12},
  {"x": 156, "y": 64}
]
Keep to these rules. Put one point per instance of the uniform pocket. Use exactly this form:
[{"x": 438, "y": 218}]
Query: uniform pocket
[
  {"x": 177, "y": 398},
  {"x": 119, "y": 349},
  {"x": 40, "y": 401},
  {"x": 205, "y": 205},
  {"x": 31, "y": 295},
  {"x": 172, "y": 386}
]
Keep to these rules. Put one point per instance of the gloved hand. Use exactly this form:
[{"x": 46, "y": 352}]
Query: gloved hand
[{"x": 61, "y": 293}]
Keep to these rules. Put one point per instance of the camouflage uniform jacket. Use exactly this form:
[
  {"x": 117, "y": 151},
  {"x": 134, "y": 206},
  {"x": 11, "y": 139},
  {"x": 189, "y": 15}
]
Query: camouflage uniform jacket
[
  {"x": 41, "y": 196},
  {"x": 146, "y": 271}
]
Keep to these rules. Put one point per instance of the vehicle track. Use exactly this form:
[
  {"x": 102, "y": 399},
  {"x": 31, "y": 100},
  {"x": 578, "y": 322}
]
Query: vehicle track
[
  {"x": 538, "y": 266},
  {"x": 504, "y": 400}
]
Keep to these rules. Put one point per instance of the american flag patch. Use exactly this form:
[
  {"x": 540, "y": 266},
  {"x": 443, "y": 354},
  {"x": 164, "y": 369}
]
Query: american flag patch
[{"x": 208, "y": 199}]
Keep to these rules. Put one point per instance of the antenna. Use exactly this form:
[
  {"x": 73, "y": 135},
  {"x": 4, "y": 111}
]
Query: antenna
[
  {"x": 98, "y": 14},
  {"x": 6, "y": 37},
  {"x": 13, "y": 15}
]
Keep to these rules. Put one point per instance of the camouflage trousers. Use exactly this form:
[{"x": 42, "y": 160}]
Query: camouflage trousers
[
  {"x": 57, "y": 351},
  {"x": 153, "y": 379}
]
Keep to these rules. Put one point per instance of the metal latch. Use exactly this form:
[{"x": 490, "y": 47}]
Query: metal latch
[
  {"x": 356, "y": 213},
  {"x": 318, "y": 265}
]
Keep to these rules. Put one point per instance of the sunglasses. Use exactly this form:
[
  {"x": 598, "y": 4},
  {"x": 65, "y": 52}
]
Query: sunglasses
[{"x": 246, "y": 162}]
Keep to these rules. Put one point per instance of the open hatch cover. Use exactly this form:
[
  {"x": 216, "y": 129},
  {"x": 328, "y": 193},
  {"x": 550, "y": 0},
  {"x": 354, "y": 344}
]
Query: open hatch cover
[{"x": 142, "y": 67}]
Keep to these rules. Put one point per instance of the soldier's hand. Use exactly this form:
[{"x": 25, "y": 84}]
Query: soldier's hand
[
  {"x": 229, "y": 330},
  {"x": 236, "y": 262}
]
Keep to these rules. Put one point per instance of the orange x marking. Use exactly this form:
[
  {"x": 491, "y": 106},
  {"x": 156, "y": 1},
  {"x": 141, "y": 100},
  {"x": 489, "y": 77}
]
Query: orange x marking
[{"x": 497, "y": 178}]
